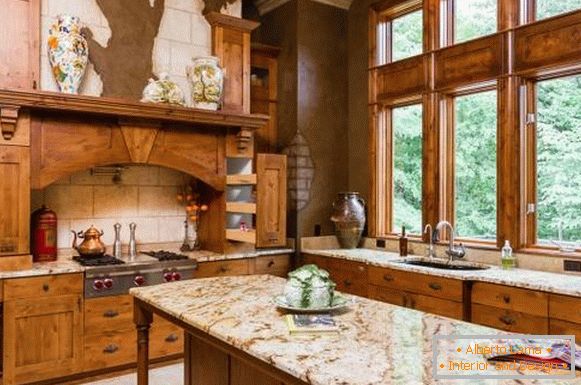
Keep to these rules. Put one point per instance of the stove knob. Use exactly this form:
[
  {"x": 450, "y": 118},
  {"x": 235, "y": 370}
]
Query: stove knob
[
  {"x": 139, "y": 280},
  {"x": 98, "y": 284},
  {"x": 176, "y": 276},
  {"x": 108, "y": 282},
  {"x": 167, "y": 276}
]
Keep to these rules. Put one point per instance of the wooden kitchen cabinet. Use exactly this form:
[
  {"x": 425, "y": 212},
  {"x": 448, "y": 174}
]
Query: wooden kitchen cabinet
[
  {"x": 43, "y": 334},
  {"x": 565, "y": 316},
  {"x": 350, "y": 277},
  {"x": 510, "y": 308},
  {"x": 14, "y": 200},
  {"x": 437, "y": 295},
  {"x": 19, "y": 44},
  {"x": 278, "y": 265},
  {"x": 271, "y": 200}
]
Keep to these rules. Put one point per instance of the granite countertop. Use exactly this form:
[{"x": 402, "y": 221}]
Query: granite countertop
[
  {"x": 529, "y": 279},
  {"x": 65, "y": 265},
  {"x": 378, "y": 343}
]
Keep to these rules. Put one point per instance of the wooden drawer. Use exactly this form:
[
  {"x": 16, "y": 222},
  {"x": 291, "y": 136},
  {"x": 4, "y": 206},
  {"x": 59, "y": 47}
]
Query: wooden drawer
[
  {"x": 222, "y": 268},
  {"x": 450, "y": 289},
  {"x": 418, "y": 302},
  {"x": 560, "y": 327},
  {"x": 350, "y": 277},
  {"x": 45, "y": 286},
  {"x": 509, "y": 320},
  {"x": 511, "y": 298},
  {"x": 321, "y": 262},
  {"x": 109, "y": 314},
  {"x": 165, "y": 339},
  {"x": 110, "y": 349},
  {"x": 273, "y": 264},
  {"x": 565, "y": 308}
]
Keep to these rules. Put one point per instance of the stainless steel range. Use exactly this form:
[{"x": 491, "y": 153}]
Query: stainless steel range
[{"x": 108, "y": 276}]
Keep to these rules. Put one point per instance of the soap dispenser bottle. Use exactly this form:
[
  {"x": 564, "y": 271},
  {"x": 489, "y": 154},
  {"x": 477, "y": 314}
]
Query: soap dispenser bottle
[
  {"x": 403, "y": 243},
  {"x": 507, "y": 260}
]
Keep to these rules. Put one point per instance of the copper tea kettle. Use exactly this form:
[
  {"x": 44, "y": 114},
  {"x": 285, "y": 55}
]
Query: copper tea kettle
[{"x": 92, "y": 246}]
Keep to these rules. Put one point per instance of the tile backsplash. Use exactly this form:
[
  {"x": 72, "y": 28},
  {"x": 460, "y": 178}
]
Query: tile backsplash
[{"x": 146, "y": 195}]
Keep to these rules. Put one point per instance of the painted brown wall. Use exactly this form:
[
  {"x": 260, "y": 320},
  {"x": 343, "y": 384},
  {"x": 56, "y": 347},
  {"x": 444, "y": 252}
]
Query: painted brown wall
[
  {"x": 313, "y": 96},
  {"x": 357, "y": 42},
  {"x": 323, "y": 107}
]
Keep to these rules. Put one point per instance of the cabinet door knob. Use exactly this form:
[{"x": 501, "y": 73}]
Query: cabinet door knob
[
  {"x": 223, "y": 269},
  {"x": 507, "y": 320},
  {"x": 270, "y": 263},
  {"x": 110, "y": 349},
  {"x": 110, "y": 314},
  {"x": 347, "y": 282},
  {"x": 435, "y": 286},
  {"x": 506, "y": 298},
  {"x": 387, "y": 278},
  {"x": 171, "y": 338},
  {"x": 45, "y": 287}
]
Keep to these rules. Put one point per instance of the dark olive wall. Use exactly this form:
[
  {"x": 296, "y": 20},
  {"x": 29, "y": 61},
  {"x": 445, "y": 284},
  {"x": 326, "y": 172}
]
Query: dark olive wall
[
  {"x": 359, "y": 174},
  {"x": 313, "y": 98},
  {"x": 323, "y": 107}
]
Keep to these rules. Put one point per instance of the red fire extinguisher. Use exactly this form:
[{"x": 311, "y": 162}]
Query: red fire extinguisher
[{"x": 43, "y": 235}]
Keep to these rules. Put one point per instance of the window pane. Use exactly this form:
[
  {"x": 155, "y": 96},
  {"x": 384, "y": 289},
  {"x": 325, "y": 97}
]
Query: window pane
[
  {"x": 475, "y": 165},
  {"x": 407, "y": 168},
  {"x": 474, "y": 18},
  {"x": 548, "y": 8},
  {"x": 407, "y": 36},
  {"x": 559, "y": 159}
]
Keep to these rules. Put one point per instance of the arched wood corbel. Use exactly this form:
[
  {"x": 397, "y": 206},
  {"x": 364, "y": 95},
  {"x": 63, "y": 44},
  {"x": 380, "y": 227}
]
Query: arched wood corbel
[
  {"x": 244, "y": 138},
  {"x": 8, "y": 119}
]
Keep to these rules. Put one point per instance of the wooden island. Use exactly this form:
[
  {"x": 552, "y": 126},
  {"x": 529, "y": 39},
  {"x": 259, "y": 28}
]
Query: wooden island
[{"x": 236, "y": 336}]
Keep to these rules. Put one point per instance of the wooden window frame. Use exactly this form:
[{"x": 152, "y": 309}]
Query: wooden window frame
[
  {"x": 384, "y": 167},
  {"x": 528, "y": 12},
  {"x": 530, "y": 164},
  {"x": 447, "y": 166},
  {"x": 383, "y": 14},
  {"x": 448, "y": 25}
]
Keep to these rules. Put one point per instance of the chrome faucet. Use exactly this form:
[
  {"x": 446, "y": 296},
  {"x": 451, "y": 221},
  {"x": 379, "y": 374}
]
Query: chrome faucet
[
  {"x": 453, "y": 251},
  {"x": 430, "y": 248}
]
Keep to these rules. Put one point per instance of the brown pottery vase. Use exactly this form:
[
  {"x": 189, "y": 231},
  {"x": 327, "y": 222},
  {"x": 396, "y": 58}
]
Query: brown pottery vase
[{"x": 349, "y": 219}]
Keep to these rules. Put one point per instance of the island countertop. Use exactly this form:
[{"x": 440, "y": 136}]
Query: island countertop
[{"x": 378, "y": 343}]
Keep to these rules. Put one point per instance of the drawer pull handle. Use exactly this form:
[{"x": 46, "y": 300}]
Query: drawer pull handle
[
  {"x": 172, "y": 338},
  {"x": 223, "y": 269},
  {"x": 387, "y": 278},
  {"x": 271, "y": 263},
  {"x": 45, "y": 287},
  {"x": 435, "y": 286},
  {"x": 506, "y": 298},
  {"x": 507, "y": 320},
  {"x": 110, "y": 349},
  {"x": 110, "y": 314},
  {"x": 347, "y": 282}
]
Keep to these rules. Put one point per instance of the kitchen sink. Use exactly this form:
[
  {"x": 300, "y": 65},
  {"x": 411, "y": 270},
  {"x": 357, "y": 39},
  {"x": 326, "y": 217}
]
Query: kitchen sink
[{"x": 445, "y": 265}]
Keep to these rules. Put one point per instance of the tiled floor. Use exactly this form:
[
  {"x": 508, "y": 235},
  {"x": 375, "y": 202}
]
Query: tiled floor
[{"x": 165, "y": 375}]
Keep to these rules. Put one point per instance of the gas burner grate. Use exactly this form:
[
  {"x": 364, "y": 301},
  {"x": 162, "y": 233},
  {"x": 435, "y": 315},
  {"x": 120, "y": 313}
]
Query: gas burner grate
[
  {"x": 98, "y": 261},
  {"x": 163, "y": 255}
]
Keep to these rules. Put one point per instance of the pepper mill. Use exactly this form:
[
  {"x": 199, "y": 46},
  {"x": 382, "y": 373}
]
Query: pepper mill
[
  {"x": 132, "y": 244},
  {"x": 117, "y": 243}
]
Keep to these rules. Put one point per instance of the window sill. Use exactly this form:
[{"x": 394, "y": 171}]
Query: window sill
[{"x": 549, "y": 252}]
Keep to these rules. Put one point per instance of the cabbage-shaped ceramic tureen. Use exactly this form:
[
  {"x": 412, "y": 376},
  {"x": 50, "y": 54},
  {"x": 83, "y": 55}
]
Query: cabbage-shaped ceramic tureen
[{"x": 309, "y": 287}]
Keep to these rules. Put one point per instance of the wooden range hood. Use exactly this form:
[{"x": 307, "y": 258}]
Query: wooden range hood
[{"x": 70, "y": 133}]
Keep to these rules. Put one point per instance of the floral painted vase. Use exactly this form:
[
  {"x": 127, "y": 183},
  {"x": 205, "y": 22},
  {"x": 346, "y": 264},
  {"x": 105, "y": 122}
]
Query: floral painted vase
[
  {"x": 207, "y": 82},
  {"x": 163, "y": 90},
  {"x": 68, "y": 53}
]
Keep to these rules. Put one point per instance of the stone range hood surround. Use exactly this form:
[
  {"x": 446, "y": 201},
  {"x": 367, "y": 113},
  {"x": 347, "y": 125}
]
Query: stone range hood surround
[{"x": 74, "y": 133}]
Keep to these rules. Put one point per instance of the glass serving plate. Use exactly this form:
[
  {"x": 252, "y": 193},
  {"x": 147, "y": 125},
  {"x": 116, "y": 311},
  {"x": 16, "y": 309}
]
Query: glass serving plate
[{"x": 339, "y": 302}]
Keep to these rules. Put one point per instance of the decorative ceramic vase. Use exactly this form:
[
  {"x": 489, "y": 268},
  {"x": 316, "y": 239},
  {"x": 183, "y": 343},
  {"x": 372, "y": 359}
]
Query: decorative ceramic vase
[
  {"x": 163, "y": 90},
  {"x": 309, "y": 287},
  {"x": 207, "y": 82},
  {"x": 68, "y": 53},
  {"x": 349, "y": 219}
]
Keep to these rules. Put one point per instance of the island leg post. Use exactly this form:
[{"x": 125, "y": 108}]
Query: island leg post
[{"x": 143, "y": 319}]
